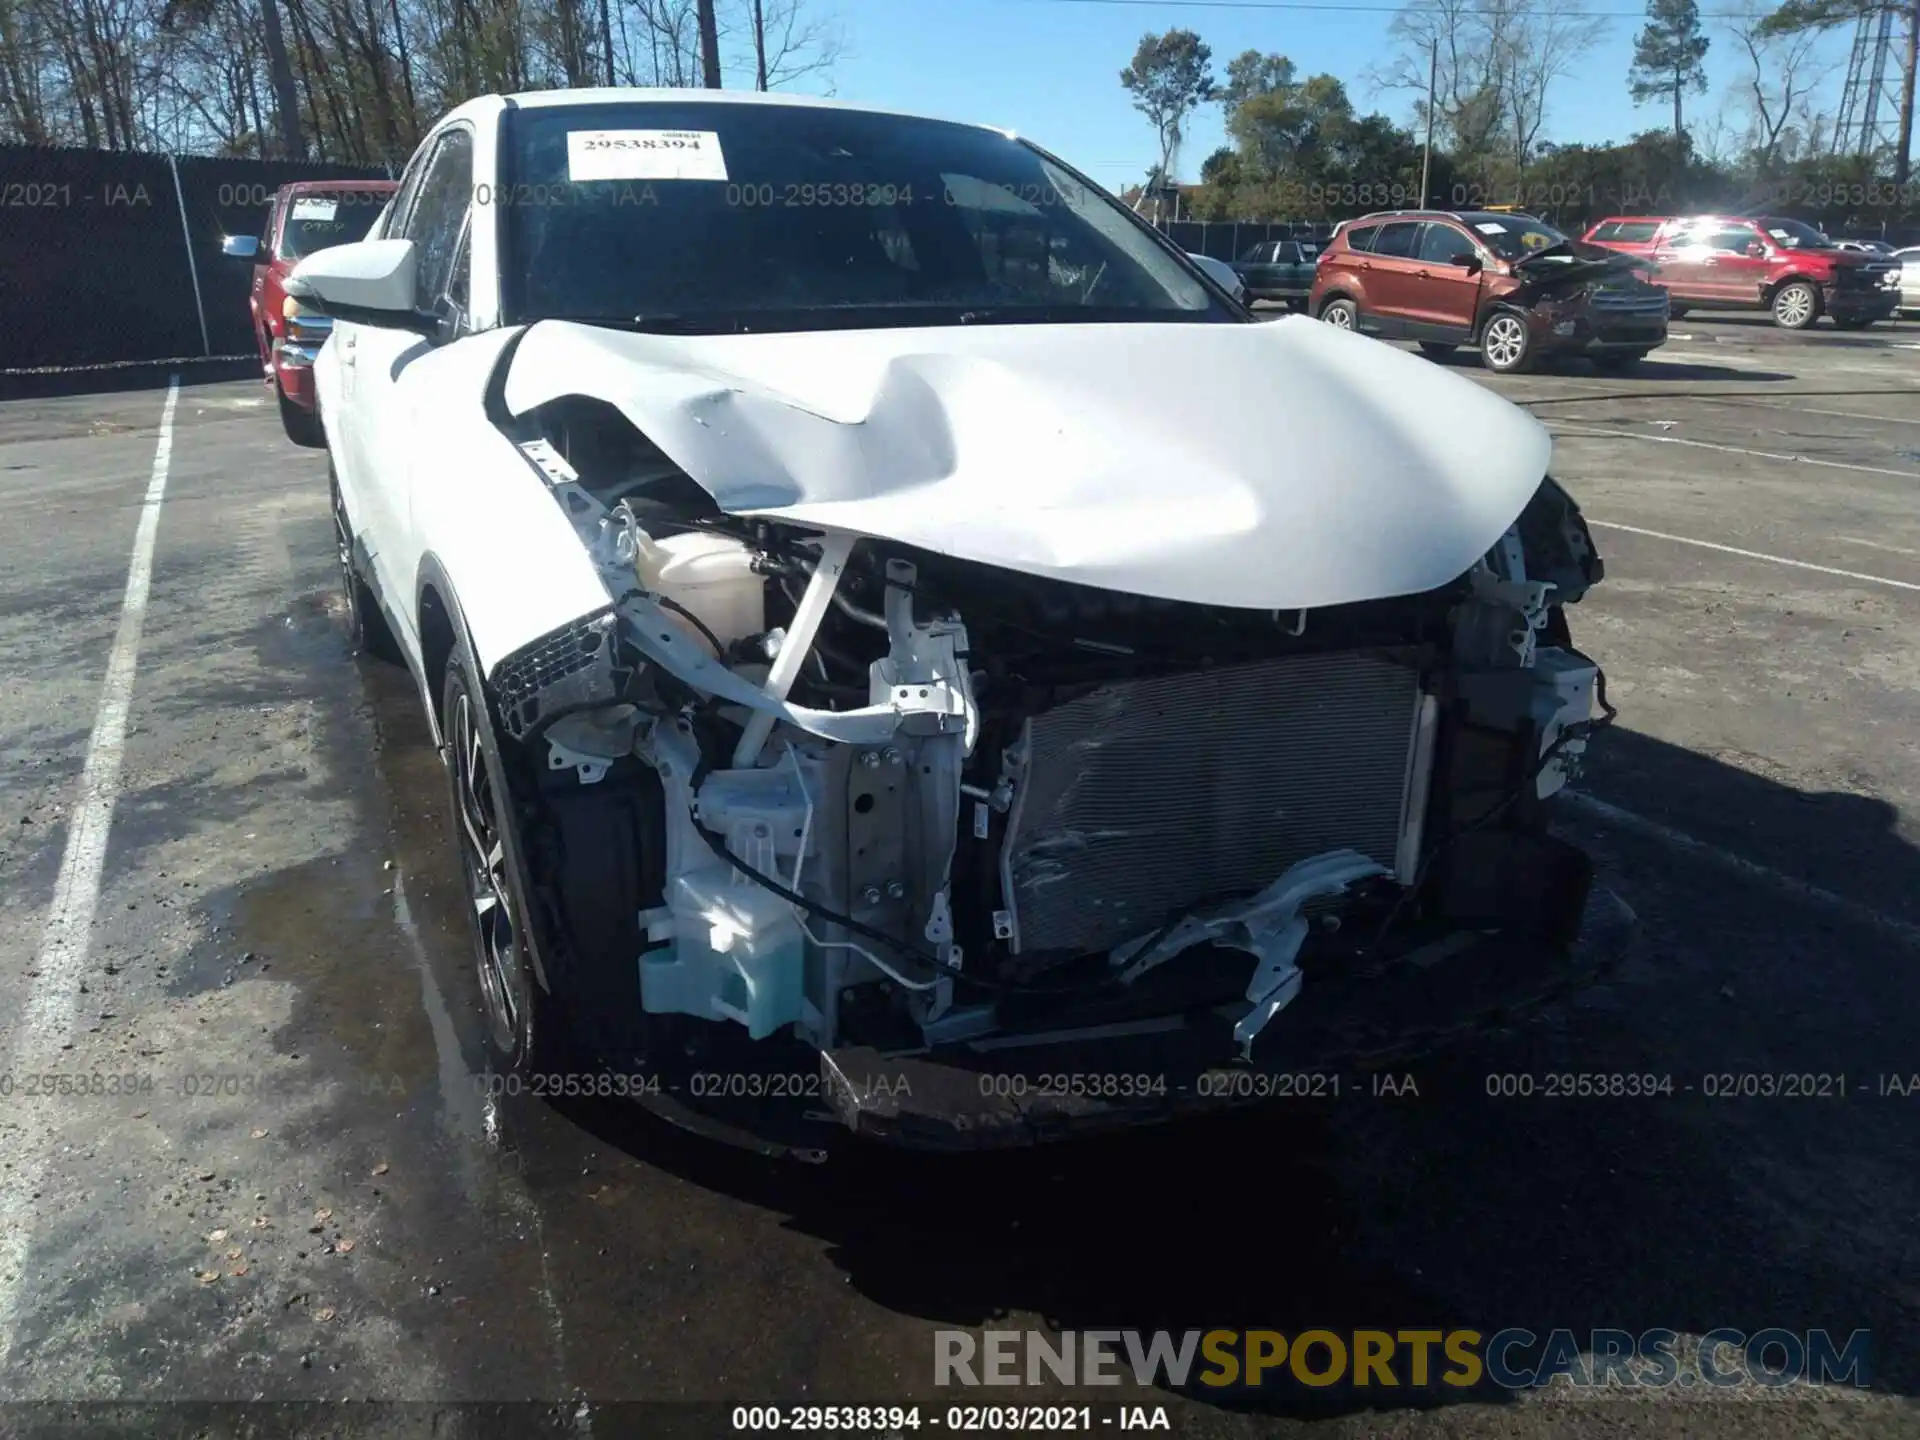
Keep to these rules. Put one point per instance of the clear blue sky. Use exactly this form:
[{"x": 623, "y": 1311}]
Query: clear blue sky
[{"x": 1051, "y": 70}]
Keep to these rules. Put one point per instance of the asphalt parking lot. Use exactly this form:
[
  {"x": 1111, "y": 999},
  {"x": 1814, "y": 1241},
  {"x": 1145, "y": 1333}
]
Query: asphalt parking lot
[{"x": 307, "y": 1195}]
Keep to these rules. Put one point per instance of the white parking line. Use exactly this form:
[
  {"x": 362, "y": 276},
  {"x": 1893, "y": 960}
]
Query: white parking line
[
  {"x": 1813, "y": 894},
  {"x": 1746, "y": 404},
  {"x": 1875, "y": 545},
  {"x": 1741, "y": 450},
  {"x": 1754, "y": 554},
  {"x": 53, "y": 1000}
]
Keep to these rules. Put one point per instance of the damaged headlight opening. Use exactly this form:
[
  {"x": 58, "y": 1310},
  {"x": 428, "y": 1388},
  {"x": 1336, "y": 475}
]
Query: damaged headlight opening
[{"x": 908, "y": 800}]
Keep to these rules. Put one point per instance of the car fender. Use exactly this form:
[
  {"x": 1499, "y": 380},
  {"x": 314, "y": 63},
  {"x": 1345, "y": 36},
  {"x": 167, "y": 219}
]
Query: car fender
[
  {"x": 1775, "y": 286},
  {"x": 483, "y": 513},
  {"x": 1493, "y": 305},
  {"x": 435, "y": 581},
  {"x": 1320, "y": 305}
]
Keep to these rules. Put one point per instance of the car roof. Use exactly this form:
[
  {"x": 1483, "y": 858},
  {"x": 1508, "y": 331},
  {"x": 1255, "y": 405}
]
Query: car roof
[
  {"x": 1463, "y": 217},
  {"x": 640, "y": 95}
]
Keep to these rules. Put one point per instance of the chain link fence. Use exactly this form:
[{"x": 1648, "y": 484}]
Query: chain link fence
[{"x": 113, "y": 257}]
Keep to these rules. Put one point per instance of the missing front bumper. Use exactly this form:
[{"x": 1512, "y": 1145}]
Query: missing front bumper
[{"x": 1005, "y": 1094}]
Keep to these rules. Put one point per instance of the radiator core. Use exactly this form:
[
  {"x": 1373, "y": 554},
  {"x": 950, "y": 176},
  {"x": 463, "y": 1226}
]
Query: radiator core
[{"x": 1145, "y": 799}]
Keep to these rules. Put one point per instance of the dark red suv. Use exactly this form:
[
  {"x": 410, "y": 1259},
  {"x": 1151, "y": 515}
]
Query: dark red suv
[
  {"x": 1512, "y": 286},
  {"x": 1786, "y": 268}
]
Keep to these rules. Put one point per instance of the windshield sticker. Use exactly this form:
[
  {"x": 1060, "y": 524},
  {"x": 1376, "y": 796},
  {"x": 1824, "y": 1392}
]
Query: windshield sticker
[
  {"x": 1487, "y": 227},
  {"x": 1781, "y": 234},
  {"x": 311, "y": 209},
  {"x": 645, "y": 155}
]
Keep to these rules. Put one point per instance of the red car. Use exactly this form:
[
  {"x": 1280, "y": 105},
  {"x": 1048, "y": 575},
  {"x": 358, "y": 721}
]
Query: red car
[
  {"x": 305, "y": 216},
  {"x": 1511, "y": 286},
  {"x": 1744, "y": 262}
]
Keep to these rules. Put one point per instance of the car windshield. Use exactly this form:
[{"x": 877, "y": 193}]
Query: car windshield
[
  {"x": 316, "y": 221},
  {"x": 705, "y": 217},
  {"x": 1512, "y": 238},
  {"x": 1795, "y": 235}
]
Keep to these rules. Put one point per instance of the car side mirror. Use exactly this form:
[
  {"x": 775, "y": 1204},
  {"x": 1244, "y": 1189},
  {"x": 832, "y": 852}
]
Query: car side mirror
[
  {"x": 369, "y": 282},
  {"x": 240, "y": 247},
  {"x": 1755, "y": 250},
  {"x": 1467, "y": 261}
]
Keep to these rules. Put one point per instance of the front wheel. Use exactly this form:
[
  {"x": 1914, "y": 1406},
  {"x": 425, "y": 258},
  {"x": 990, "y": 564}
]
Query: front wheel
[
  {"x": 1506, "y": 345},
  {"x": 366, "y": 626},
  {"x": 1341, "y": 314},
  {"x": 1796, "y": 306},
  {"x": 481, "y": 810}
]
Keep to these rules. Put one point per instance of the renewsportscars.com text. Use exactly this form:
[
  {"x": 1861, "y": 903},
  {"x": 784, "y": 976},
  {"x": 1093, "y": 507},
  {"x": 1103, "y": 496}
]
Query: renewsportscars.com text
[{"x": 1513, "y": 1359}]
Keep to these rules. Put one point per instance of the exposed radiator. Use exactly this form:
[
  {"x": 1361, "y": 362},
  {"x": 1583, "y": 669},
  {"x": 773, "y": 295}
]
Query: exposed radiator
[{"x": 1142, "y": 800}]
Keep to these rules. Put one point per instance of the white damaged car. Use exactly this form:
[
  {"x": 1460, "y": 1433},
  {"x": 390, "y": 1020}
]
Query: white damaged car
[{"x": 912, "y": 654}]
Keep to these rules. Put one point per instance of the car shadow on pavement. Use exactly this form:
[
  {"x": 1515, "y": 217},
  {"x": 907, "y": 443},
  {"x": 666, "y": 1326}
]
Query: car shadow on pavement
[
  {"x": 1654, "y": 367},
  {"x": 1458, "y": 1207}
]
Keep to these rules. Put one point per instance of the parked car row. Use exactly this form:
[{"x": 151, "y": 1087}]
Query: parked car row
[
  {"x": 1518, "y": 290},
  {"x": 1513, "y": 287}
]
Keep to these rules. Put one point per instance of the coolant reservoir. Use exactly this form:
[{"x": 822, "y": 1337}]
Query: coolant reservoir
[
  {"x": 712, "y": 575},
  {"x": 738, "y": 954}
]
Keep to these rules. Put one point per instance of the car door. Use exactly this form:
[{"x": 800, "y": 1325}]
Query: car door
[
  {"x": 1449, "y": 294},
  {"x": 434, "y": 219},
  {"x": 1393, "y": 281},
  {"x": 1305, "y": 253},
  {"x": 1740, "y": 274},
  {"x": 1256, "y": 269},
  {"x": 336, "y": 371},
  {"x": 1682, "y": 263},
  {"x": 263, "y": 266}
]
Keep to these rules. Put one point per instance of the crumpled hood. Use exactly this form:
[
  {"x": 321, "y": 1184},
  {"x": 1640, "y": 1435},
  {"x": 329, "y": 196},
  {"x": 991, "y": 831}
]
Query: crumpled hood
[
  {"x": 1283, "y": 465},
  {"x": 1589, "y": 263}
]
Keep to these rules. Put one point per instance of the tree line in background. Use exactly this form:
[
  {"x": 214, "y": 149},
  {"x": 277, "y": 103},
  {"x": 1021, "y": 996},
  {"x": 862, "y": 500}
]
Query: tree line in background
[
  {"x": 358, "y": 81},
  {"x": 1480, "y": 74}
]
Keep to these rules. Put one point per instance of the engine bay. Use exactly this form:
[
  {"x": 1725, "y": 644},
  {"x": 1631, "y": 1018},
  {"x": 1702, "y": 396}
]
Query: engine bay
[{"x": 909, "y": 800}]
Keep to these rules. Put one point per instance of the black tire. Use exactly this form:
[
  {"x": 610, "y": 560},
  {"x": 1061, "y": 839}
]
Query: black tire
[
  {"x": 1437, "y": 349},
  {"x": 1341, "y": 313},
  {"x": 1854, "y": 322},
  {"x": 303, "y": 427},
  {"x": 480, "y": 808},
  {"x": 1795, "y": 306},
  {"x": 1506, "y": 343},
  {"x": 366, "y": 627}
]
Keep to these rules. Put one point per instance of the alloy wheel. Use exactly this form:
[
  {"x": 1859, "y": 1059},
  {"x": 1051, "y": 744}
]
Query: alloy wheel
[
  {"x": 1794, "y": 308},
  {"x": 484, "y": 863},
  {"x": 1338, "y": 316},
  {"x": 1505, "y": 341}
]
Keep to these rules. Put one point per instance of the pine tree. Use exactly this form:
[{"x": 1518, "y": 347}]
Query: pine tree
[{"x": 1667, "y": 56}]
